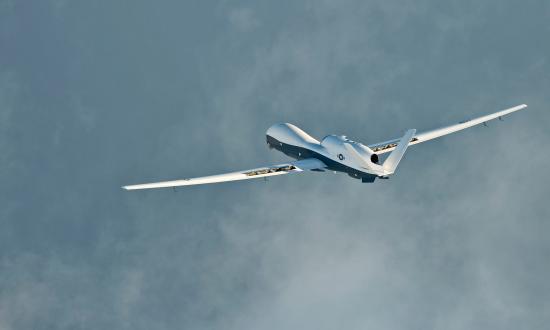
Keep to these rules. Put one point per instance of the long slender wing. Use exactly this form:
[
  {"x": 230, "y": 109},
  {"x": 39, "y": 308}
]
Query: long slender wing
[
  {"x": 388, "y": 146},
  {"x": 292, "y": 167}
]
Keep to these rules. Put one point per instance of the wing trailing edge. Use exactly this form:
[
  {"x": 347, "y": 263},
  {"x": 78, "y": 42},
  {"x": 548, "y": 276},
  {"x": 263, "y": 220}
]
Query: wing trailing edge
[
  {"x": 390, "y": 145},
  {"x": 261, "y": 172}
]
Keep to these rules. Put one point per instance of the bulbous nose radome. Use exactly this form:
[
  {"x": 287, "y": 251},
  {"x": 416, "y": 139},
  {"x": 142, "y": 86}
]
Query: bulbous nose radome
[{"x": 290, "y": 134}]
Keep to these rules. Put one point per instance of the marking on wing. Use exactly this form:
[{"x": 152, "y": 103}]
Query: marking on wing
[
  {"x": 269, "y": 170},
  {"x": 390, "y": 145}
]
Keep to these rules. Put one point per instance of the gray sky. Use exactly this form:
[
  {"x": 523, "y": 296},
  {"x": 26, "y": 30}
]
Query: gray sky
[{"x": 97, "y": 94}]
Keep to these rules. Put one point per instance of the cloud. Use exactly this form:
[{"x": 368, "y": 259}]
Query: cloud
[
  {"x": 243, "y": 19},
  {"x": 9, "y": 89},
  {"x": 455, "y": 240}
]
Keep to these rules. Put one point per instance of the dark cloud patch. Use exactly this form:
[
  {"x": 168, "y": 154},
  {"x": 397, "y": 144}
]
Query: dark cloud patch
[{"x": 96, "y": 95}]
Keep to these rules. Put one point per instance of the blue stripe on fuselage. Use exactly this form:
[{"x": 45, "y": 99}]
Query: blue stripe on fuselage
[{"x": 303, "y": 153}]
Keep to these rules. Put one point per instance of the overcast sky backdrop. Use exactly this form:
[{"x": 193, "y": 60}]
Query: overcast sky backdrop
[{"x": 98, "y": 94}]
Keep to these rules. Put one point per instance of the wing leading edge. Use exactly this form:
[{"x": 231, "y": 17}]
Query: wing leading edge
[
  {"x": 261, "y": 172},
  {"x": 390, "y": 145}
]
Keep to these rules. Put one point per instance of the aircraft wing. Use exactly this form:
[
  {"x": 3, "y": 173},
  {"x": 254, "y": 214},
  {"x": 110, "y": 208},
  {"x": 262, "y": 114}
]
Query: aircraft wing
[
  {"x": 387, "y": 146},
  {"x": 262, "y": 172}
]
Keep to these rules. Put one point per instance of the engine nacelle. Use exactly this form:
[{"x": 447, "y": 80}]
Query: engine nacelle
[
  {"x": 338, "y": 146},
  {"x": 374, "y": 157}
]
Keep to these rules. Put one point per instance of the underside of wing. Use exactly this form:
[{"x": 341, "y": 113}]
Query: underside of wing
[
  {"x": 387, "y": 146},
  {"x": 292, "y": 167}
]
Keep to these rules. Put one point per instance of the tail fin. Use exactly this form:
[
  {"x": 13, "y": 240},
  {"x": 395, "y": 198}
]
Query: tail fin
[{"x": 395, "y": 157}]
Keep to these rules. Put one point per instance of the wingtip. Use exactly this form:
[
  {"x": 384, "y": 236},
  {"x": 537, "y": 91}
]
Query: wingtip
[{"x": 518, "y": 107}]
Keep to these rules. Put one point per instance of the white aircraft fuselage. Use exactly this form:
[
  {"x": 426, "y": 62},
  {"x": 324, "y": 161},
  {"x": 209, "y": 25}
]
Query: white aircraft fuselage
[{"x": 333, "y": 150}]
